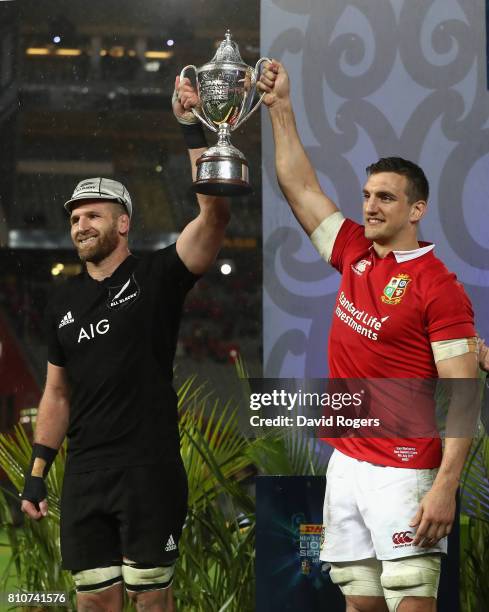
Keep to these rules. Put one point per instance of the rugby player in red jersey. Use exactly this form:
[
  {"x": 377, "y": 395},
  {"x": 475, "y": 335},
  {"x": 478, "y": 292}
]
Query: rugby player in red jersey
[{"x": 389, "y": 503}]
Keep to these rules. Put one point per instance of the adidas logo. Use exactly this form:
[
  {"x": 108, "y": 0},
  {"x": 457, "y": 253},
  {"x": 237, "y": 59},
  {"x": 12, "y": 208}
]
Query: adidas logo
[
  {"x": 170, "y": 545},
  {"x": 68, "y": 318}
]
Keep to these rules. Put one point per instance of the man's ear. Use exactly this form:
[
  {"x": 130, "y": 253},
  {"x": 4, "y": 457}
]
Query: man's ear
[
  {"x": 123, "y": 224},
  {"x": 418, "y": 210}
]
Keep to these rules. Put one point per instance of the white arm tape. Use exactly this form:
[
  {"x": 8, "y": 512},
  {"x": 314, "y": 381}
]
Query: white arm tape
[
  {"x": 446, "y": 349},
  {"x": 324, "y": 236}
]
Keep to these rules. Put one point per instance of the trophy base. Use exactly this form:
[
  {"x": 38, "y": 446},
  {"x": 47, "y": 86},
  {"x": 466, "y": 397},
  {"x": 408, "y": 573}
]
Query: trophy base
[
  {"x": 217, "y": 187},
  {"x": 222, "y": 175}
]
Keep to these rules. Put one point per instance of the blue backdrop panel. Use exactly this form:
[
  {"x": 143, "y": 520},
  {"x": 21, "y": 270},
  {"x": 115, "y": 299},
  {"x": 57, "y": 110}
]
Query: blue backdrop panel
[{"x": 373, "y": 78}]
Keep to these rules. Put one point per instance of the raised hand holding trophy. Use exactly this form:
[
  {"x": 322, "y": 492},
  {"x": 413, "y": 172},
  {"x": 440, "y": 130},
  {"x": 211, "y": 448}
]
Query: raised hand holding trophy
[{"x": 226, "y": 87}]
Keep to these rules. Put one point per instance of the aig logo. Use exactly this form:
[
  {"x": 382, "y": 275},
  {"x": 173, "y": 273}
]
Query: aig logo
[{"x": 100, "y": 328}]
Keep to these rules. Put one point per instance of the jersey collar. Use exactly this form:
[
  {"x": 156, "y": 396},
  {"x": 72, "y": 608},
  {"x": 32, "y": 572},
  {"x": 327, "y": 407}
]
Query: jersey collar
[
  {"x": 403, "y": 256},
  {"x": 122, "y": 270}
]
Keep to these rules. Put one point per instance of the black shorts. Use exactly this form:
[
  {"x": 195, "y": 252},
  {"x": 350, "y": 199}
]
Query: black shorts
[{"x": 134, "y": 512}]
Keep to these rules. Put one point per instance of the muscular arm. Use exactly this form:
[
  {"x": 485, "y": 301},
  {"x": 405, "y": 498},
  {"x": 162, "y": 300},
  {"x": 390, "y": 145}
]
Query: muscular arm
[
  {"x": 201, "y": 240},
  {"x": 296, "y": 176},
  {"x": 51, "y": 427},
  {"x": 435, "y": 516},
  {"x": 54, "y": 409},
  {"x": 456, "y": 448}
]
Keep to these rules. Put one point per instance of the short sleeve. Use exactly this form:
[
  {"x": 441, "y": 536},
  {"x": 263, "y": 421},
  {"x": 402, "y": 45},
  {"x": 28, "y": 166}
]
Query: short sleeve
[
  {"x": 168, "y": 265},
  {"x": 324, "y": 236},
  {"x": 448, "y": 311},
  {"x": 349, "y": 243},
  {"x": 56, "y": 354}
]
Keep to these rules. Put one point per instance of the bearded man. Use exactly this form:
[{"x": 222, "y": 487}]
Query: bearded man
[{"x": 112, "y": 334}]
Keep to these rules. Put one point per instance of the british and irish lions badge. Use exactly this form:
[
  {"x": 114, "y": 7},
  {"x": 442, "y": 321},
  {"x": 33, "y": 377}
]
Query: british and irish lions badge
[{"x": 395, "y": 289}]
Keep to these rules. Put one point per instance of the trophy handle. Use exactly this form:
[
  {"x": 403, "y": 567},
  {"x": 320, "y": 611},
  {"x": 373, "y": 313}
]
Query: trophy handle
[
  {"x": 256, "y": 73},
  {"x": 194, "y": 110}
]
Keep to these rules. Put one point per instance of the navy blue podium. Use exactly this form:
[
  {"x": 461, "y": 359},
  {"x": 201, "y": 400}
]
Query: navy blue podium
[{"x": 289, "y": 575}]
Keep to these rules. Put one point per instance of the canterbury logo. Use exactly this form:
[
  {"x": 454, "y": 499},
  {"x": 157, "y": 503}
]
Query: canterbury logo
[
  {"x": 402, "y": 537},
  {"x": 360, "y": 267},
  {"x": 170, "y": 545},
  {"x": 68, "y": 318}
]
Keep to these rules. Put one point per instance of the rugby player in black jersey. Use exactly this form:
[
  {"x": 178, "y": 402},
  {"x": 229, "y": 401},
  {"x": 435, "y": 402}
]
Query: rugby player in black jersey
[{"x": 112, "y": 334}]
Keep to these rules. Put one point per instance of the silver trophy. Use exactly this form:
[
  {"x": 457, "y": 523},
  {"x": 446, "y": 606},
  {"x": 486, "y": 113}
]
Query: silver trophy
[{"x": 226, "y": 87}]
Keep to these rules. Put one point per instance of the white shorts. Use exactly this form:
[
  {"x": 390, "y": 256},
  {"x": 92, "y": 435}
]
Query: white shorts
[{"x": 368, "y": 508}]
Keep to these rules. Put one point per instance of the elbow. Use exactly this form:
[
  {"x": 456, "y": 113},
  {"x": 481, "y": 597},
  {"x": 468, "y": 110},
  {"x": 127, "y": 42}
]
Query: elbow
[
  {"x": 287, "y": 183},
  {"x": 288, "y": 189},
  {"x": 223, "y": 218},
  {"x": 292, "y": 183},
  {"x": 57, "y": 395},
  {"x": 217, "y": 215},
  {"x": 294, "y": 191}
]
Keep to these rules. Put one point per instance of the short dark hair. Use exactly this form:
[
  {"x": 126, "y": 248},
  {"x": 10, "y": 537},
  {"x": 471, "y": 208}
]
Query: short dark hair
[
  {"x": 118, "y": 209},
  {"x": 418, "y": 186}
]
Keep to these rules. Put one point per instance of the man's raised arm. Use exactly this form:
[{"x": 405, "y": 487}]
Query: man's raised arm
[
  {"x": 296, "y": 176},
  {"x": 201, "y": 240}
]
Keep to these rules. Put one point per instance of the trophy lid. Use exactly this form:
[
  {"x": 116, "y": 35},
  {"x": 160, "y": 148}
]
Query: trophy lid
[{"x": 227, "y": 52}]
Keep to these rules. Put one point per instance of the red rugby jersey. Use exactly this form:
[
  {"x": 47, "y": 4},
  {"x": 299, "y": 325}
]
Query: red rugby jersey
[{"x": 387, "y": 313}]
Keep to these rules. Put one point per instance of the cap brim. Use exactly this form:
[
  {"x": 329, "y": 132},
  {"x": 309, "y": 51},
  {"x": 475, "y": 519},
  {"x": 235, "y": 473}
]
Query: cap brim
[{"x": 91, "y": 196}]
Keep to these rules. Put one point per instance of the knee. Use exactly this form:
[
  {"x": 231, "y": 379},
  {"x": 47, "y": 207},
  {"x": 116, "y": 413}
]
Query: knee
[
  {"x": 417, "y": 604},
  {"x": 148, "y": 586},
  {"x": 413, "y": 577},
  {"x": 98, "y": 580},
  {"x": 93, "y": 602},
  {"x": 105, "y": 600},
  {"x": 151, "y": 600},
  {"x": 99, "y": 589},
  {"x": 365, "y": 604}
]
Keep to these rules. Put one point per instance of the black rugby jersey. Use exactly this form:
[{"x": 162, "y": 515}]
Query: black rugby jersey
[{"x": 116, "y": 339}]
